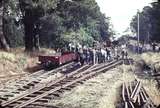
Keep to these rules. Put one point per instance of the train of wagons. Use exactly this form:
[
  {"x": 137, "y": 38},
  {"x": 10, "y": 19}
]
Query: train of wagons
[{"x": 58, "y": 59}]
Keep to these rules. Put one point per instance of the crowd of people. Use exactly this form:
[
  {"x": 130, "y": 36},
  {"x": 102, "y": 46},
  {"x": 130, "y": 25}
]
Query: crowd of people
[
  {"x": 155, "y": 47},
  {"x": 97, "y": 54},
  {"x": 141, "y": 48},
  {"x": 88, "y": 55}
]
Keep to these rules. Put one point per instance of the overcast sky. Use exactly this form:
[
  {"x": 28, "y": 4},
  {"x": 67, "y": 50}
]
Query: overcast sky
[{"x": 121, "y": 11}]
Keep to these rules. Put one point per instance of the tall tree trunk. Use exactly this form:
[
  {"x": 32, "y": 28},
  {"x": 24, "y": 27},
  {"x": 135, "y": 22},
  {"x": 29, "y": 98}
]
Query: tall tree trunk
[
  {"x": 31, "y": 17},
  {"x": 36, "y": 36},
  {"x": 31, "y": 35},
  {"x": 3, "y": 41},
  {"x": 29, "y": 41},
  {"x": 36, "y": 42},
  {"x": 29, "y": 30}
]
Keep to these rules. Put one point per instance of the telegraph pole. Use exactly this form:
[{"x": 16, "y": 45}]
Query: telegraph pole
[{"x": 138, "y": 32}]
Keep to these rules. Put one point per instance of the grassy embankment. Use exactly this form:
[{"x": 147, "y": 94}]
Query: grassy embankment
[
  {"x": 17, "y": 63},
  {"x": 149, "y": 59}
]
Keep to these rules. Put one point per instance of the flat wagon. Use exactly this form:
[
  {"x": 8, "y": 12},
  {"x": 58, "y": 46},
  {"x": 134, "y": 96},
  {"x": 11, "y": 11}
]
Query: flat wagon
[{"x": 57, "y": 59}]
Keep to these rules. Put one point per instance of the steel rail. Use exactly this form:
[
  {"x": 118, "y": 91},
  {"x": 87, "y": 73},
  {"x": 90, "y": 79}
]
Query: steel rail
[
  {"x": 89, "y": 75},
  {"x": 35, "y": 77},
  {"x": 35, "y": 89}
]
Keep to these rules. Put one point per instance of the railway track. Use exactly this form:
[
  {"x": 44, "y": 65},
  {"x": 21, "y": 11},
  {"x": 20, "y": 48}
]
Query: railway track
[
  {"x": 135, "y": 96},
  {"x": 40, "y": 95},
  {"x": 14, "y": 89}
]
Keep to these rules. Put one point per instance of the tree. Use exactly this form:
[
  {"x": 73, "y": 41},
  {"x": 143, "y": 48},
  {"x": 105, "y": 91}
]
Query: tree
[
  {"x": 12, "y": 26},
  {"x": 155, "y": 22},
  {"x": 144, "y": 23},
  {"x": 47, "y": 23},
  {"x": 149, "y": 23},
  {"x": 78, "y": 14},
  {"x": 32, "y": 11},
  {"x": 3, "y": 41}
]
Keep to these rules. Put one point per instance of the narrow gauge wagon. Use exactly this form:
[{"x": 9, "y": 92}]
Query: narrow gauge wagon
[{"x": 55, "y": 60}]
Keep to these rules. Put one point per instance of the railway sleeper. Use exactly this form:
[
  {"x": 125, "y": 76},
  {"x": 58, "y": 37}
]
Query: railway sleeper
[
  {"x": 67, "y": 80},
  {"x": 47, "y": 88},
  {"x": 52, "y": 73},
  {"x": 55, "y": 94},
  {"x": 26, "y": 98},
  {"x": 53, "y": 86},
  {"x": 77, "y": 83},
  {"x": 31, "y": 84},
  {"x": 67, "y": 88},
  {"x": 35, "y": 82},
  {"x": 40, "y": 105},
  {"x": 15, "y": 92},
  {"x": 16, "y": 103},
  {"x": 73, "y": 85},
  {"x": 18, "y": 85},
  {"x": 60, "y": 91},
  {"x": 9, "y": 95},
  {"x": 48, "y": 97},
  {"x": 11, "y": 88},
  {"x": 4, "y": 90},
  {"x": 32, "y": 106},
  {"x": 23, "y": 80},
  {"x": 10, "y": 106},
  {"x": 42, "y": 100},
  {"x": 20, "y": 101},
  {"x": 20, "y": 82},
  {"x": 62, "y": 82},
  {"x": 31, "y": 96},
  {"x": 80, "y": 82},
  {"x": 71, "y": 78},
  {"x": 38, "y": 92},
  {"x": 55, "y": 97},
  {"x": 42, "y": 77},
  {"x": 26, "y": 87},
  {"x": 4, "y": 98}
]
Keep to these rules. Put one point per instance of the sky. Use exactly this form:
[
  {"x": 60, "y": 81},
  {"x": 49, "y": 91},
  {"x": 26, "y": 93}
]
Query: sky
[{"x": 121, "y": 11}]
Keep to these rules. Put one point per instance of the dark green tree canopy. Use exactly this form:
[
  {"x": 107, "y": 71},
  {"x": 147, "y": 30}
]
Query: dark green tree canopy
[
  {"x": 54, "y": 23},
  {"x": 149, "y": 24}
]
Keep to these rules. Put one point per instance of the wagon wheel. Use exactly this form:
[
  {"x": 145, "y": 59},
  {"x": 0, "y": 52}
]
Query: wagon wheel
[{"x": 48, "y": 65}]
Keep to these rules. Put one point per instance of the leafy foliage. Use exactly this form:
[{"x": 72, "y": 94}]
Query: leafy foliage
[
  {"x": 11, "y": 28},
  {"x": 79, "y": 19},
  {"x": 53, "y": 23},
  {"x": 149, "y": 23},
  {"x": 81, "y": 36}
]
